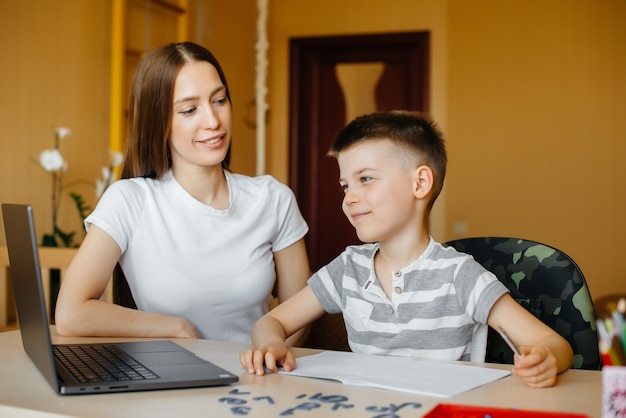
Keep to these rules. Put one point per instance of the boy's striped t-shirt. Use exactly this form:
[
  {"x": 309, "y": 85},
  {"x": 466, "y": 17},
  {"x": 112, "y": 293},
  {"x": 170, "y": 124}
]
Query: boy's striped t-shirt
[{"x": 438, "y": 307}]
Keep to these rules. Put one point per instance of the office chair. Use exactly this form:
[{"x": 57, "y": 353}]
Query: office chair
[
  {"x": 121, "y": 291},
  {"x": 545, "y": 281}
]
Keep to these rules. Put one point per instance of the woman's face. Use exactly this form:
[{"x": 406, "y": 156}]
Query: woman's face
[{"x": 201, "y": 118}]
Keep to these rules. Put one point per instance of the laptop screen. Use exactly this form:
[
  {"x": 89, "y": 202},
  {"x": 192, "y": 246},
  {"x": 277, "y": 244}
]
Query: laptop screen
[{"x": 19, "y": 227}]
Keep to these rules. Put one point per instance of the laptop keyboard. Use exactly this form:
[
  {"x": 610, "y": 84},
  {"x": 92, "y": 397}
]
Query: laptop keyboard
[{"x": 100, "y": 363}]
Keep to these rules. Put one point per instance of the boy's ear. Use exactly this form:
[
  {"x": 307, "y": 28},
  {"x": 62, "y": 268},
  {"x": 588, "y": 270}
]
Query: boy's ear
[{"x": 422, "y": 181}]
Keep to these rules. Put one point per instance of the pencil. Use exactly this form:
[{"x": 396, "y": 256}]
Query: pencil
[{"x": 509, "y": 342}]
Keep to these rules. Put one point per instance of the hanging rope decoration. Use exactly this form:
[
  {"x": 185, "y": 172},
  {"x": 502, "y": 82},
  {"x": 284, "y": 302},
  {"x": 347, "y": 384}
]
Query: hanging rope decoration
[
  {"x": 146, "y": 37},
  {"x": 261, "y": 47}
]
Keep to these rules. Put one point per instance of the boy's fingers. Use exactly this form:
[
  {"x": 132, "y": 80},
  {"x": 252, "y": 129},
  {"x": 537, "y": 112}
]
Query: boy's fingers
[
  {"x": 270, "y": 362},
  {"x": 258, "y": 360},
  {"x": 245, "y": 359},
  {"x": 529, "y": 359},
  {"x": 541, "y": 380},
  {"x": 289, "y": 362}
]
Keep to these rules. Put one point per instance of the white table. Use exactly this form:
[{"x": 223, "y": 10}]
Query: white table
[{"x": 25, "y": 393}]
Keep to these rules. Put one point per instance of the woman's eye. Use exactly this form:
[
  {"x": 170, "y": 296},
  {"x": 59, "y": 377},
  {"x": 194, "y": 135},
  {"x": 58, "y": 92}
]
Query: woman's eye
[
  {"x": 344, "y": 187},
  {"x": 187, "y": 111},
  {"x": 221, "y": 101},
  {"x": 365, "y": 179}
]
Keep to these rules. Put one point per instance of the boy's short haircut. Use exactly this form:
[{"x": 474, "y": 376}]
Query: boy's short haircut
[{"x": 411, "y": 130}]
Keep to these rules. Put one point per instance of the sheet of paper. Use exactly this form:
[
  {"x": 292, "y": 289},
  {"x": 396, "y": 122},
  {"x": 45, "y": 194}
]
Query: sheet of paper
[{"x": 402, "y": 374}]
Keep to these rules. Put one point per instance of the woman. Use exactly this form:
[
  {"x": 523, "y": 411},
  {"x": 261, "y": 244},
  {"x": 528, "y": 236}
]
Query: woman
[{"x": 200, "y": 246}]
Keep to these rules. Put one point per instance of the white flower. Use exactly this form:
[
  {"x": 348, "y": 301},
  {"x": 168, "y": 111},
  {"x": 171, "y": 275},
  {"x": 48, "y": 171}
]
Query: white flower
[
  {"x": 108, "y": 176},
  {"x": 107, "y": 179},
  {"x": 100, "y": 187},
  {"x": 52, "y": 161},
  {"x": 62, "y": 132},
  {"x": 116, "y": 158}
]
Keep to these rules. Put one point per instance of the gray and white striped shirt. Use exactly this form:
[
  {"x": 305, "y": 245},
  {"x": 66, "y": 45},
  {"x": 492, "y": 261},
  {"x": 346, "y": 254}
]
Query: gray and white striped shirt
[{"x": 438, "y": 310}]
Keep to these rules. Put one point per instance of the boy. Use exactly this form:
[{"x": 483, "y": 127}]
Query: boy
[{"x": 402, "y": 293}]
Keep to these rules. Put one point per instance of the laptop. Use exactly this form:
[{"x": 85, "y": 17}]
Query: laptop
[{"x": 136, "y": 366}]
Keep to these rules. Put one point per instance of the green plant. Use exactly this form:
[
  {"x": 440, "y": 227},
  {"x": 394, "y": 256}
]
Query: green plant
[{"x": 52, "y": 161}]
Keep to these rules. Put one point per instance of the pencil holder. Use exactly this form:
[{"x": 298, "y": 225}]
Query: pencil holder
[{"x": 613, "y": 392}]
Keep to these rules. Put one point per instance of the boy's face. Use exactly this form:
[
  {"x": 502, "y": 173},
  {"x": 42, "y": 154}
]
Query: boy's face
[{"x": 378, "y": 186}]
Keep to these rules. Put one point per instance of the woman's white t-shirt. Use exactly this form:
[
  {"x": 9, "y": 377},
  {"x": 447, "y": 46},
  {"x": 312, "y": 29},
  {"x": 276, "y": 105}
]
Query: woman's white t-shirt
[{"x": 183, "y": 258}]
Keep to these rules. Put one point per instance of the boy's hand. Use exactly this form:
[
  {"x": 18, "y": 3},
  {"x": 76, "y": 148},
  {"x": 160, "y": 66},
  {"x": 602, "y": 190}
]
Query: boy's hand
[
  {"x": 255, "y": 361},
  {"x": 537, "y": 367}
]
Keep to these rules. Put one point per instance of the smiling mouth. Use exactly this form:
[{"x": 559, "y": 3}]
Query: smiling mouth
[
  {"x": 212, "y": 141},
  {"x": 357, "y": 216}
]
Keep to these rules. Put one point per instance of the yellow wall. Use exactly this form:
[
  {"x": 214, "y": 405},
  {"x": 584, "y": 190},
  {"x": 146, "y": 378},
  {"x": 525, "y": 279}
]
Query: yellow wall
[
  {"x": 536, "y": 103},
  {"x": 530, "y": 94},
  {"x": 54, "y": 72}
]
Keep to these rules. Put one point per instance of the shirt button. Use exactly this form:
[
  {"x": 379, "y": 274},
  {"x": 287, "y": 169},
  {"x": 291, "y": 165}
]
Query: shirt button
[
  {"x": 398, "y": 290},
  {"x": 397, "y": 273},
  {"x": 391, "y": 310}
]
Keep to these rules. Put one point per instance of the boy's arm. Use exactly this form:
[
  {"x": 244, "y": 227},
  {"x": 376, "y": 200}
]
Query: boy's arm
[
  {"x": 270, "y": 332},
  {"x": 292, "y": 272},
  {"x": 545, "y": 353}
]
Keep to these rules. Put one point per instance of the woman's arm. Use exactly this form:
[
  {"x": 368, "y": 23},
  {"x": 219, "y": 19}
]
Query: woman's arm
[
  {"x": 80, "y": 312},
  {"x": 292, "y": 273},
  {"x": 545, "y": 353}
]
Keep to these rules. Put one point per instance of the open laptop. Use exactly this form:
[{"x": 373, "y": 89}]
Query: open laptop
[{"x": 152, "y": 364}]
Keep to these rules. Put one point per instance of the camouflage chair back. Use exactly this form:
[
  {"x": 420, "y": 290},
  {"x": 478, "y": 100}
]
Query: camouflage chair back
[{"x": 546, "y": 282}]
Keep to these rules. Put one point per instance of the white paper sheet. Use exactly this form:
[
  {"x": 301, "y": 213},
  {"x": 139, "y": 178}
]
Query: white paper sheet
[{"x": 402, "y": 374}]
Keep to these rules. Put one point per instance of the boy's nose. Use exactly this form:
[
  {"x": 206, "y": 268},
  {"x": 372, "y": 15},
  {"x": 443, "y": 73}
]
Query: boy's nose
[{"x": 350, "y": 198}]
